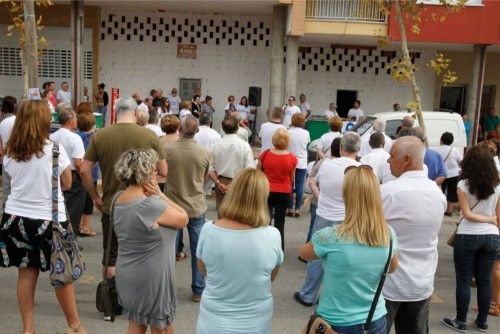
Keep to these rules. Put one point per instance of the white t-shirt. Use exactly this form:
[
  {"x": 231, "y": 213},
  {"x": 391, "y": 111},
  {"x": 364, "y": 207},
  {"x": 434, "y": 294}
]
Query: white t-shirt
[
  {"x": 485, "y": 207},
  {"x": 299, "y": 138},
  {"x": 325, "y": 142},
  {"x": 287, "y": 118},
  {"x": 414, "y": 207},
  {"x": 251, "y": 117},
  {"x": 63, "y": 96},
  {"x": 155, "y": 128},
  {"x": 331, "y": 180},
  {"x": 355, "y": 113},
  {"x": 175, "y": 102},
  {"x": 184, "y": 112},
  {"x": 244, "y": 111},
  {"x": 453, "y": 158},
  {"x": 329, "y": 114},
  {"x": 365, "y": 147},
  {"x": 31, "y": 185},
  {"x": 207, "y": 137},
  {"x": 6, "y": 128},
  {"x": 71, "y": 142},
  {"x": 304, "y": 107},
  {"x": 377, "y": 160},
  {"x": 266, "y": 134}
]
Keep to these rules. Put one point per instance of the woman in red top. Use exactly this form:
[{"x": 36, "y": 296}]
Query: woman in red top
[{"x": 279, "y": 166}]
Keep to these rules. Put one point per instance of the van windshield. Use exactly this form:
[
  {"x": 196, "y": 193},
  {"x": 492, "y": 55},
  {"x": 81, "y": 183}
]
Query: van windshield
[{"x": 364, "y": 125}]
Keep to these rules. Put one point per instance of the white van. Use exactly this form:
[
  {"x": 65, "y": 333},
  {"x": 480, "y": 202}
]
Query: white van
[{"x": 436, "y": 123}]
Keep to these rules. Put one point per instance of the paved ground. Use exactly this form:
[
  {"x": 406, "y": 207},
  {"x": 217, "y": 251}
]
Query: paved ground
[{"x": 289, "y": 317}]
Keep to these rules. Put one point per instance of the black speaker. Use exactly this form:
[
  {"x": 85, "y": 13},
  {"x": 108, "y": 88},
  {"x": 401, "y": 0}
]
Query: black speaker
[{"x": 254, "y": 96}]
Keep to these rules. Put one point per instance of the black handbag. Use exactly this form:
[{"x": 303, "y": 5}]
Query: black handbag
[
  {"x": 106, "y": 298},
  {"x": 317, "y": 325}
]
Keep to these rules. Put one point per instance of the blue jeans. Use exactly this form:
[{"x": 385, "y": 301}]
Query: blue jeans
[
  {"x": 311, "y": 223},
  {"x": 314, "y": 273},
  {"x": 378, "y": 326},
  {"x": 179, "y": 242},
  {"x": 474, "y": 255},
  {"x": 194, "y": 228},
  {"x": 298, "y": 189}
]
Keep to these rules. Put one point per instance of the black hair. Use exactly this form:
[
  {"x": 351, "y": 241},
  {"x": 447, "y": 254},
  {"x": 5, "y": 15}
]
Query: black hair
[
  {"x": 480, "y": 173},
  {"x": 335, "y": 147},
  {"x": 9, "y": 105},
  {"x": 447, "y": 138},
  {"x": 230, "y": 124}
]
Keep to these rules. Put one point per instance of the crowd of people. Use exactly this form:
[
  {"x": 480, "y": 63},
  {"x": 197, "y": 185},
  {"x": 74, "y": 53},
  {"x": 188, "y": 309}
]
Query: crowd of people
[{"x": 161, "y": 158}]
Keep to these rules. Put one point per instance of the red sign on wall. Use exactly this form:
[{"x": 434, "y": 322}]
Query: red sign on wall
[{"x": 115, "y": 94}]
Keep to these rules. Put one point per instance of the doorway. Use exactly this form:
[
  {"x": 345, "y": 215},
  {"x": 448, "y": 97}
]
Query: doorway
[
  {"x": 188, "y": 87},
  {"x": 345, "y": 100},
  {"x": 453, "y": 98}
]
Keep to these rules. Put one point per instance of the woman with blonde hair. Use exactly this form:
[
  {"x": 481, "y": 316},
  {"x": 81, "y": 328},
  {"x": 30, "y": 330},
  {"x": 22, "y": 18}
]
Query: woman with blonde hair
[
  {"x": 279, "y": 166},
  {"x": 354, "y": 255},
  {"x": 239, "y": 243},
  {"x": 185, "y": 109},
  {"x": 26, "y": 229}
]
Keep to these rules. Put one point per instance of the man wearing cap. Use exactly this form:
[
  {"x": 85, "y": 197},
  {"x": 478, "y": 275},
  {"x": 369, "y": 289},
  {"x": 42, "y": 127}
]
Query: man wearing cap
[{"x": 175, "y": 102}]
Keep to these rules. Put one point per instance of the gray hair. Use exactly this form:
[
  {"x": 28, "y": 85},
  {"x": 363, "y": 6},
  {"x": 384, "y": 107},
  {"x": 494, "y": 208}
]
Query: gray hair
[
  {"x": 142, "y": 116},
  {"x": 153, "y": 116},
  {"x": 379, "y": 125},
  {"x": 410, "y": 146},
  {"x": 420, "y": 134},
  {"x": 125, "y": 105},
  {"x": 350, "y": 142},
  {"x": 135, "y": 166},
  {"x": 65, "y": 112},
  {"x": 407, "y": 121},
  {"x": 189, "y": 126}
]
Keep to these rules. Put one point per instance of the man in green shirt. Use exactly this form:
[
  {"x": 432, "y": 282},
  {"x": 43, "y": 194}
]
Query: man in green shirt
[{"x": 105, "y": 147}]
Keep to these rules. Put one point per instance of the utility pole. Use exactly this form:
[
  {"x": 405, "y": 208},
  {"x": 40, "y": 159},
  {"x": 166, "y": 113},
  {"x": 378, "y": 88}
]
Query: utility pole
[
  {"x": 77, "y": 19},
  {"x": 30, "y": 52}
]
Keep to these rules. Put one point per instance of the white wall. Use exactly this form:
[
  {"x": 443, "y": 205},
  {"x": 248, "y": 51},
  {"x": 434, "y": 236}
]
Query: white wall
[{"x": 59, "y": 39}]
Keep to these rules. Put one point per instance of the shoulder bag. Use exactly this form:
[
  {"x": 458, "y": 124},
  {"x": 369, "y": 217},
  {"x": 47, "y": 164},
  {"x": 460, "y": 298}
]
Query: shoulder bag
[
  {"x": 66, "y": 261},
  {"x": 106, "y": 298},
  {"x": 318, "y": 325},
  {"x": 453, "y": 237},
  {"x": 451, "y": 149}
]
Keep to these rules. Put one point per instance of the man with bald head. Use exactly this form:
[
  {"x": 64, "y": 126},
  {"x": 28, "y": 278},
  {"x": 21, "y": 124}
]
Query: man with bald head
[
  {"x": 190, "y": 163},
  {"x": 414, "y": 207}
]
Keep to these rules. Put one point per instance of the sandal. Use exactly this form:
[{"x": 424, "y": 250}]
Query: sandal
[
  {"x": 289, "y": 213},
  {"x": 296, "y": 214},
  {"x": 86, "y": 232},
  {"x": 73, "y": 330}
]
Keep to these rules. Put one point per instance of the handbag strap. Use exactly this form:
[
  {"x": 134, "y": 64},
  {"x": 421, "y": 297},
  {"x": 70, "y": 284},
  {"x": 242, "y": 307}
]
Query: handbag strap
[
  {"x": 472, "y": 208},
  {"x": 451, "y": 149},
  {"x": 110, "y": 234},
  {"x": 379, "y": 288},
  {"x": 55, "y": 182}
]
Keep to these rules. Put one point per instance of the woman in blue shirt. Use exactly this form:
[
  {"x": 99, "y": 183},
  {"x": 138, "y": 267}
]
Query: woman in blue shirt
[
  {"x": 240, "y": 255},
  {"x": 353, "y": 256}
]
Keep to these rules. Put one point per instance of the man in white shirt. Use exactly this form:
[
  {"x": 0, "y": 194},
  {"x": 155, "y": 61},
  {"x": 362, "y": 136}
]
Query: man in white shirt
[
  {"x": 414, "y": 207},
  {"x": 378, "y": 125},
  {"x": 289, "y": 110},
  {"x": 267, "y": 129},
  {"x": 73, "y": 144},
  {"x": 227, "y": 157},
  {"x": 355, "y": 112},
  {"x": 9, "y": 108},
  {"x": 64, "y": 95},
  {"x": 304, "y": 106},
  {"x": 153, "y": 123},
  {"x": 207, "y": 137},
  {"x": 175, "y": 102},
  {"x": 331, "y": 208},
  {"x": 377, "y": 158}
]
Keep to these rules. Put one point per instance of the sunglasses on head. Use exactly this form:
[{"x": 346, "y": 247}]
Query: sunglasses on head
[{"x": 350, "y": 168}]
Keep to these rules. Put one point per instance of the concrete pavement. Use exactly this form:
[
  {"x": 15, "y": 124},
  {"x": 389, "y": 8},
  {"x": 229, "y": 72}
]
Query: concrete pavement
[{"x": 289, "y": 316}]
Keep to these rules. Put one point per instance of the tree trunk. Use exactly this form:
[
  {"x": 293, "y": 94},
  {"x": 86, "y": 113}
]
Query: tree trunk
[
  {"x": 406, "y": 55},
  {"x": 30, "y": 51}
]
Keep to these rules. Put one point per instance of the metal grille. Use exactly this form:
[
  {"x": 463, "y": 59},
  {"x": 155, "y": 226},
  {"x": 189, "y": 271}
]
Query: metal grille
[
  {"x": 345, "y": 10},
  {"x": 10, "y": 61},
  {"x": 53, "y": 63}
]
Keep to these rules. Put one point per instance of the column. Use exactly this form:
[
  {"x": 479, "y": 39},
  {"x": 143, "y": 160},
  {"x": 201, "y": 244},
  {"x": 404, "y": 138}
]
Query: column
[
  {"x": 77, "y": 17},
  {"x": 475, "y": 89},
  {"x": 292, "y": 56},
  {"x": 277, "y": 46}
]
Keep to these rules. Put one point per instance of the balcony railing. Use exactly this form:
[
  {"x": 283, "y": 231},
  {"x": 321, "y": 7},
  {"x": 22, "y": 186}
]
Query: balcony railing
[{"x": 345, "y": 10}]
